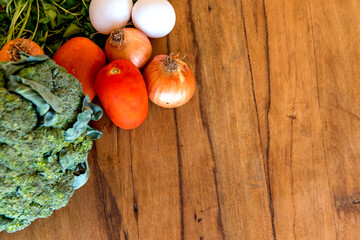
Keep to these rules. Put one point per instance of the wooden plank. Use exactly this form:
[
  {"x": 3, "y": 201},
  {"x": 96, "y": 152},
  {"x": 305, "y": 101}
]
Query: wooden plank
[
  {"x": 201, "y": 216},
  {"x": 253, "y": 14},
  {"x": 336, "y": 40},
  {"x": 111, "y": 156},
  {"x": 156, "y": 170},
  {"x": 156, "y": 176},
  {"x": 217, "y": 49},
  {"x": 256, "y": 37},
  {"x": 308, "y": 146},
  {"x": 298, "y": 177}
]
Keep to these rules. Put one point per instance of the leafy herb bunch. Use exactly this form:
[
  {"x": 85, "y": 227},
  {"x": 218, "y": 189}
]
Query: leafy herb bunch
[{"x": 49, "y": 23}]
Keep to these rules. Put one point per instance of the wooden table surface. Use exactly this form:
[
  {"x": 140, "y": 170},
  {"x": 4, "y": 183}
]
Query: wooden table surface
[{"x": 268, "y": 147}]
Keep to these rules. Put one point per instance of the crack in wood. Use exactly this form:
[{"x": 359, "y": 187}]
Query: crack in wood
[
  {"x": 126, "y": 235},
  {"x": 110, "y": 209},
  {"x": 292, "y": 175},
  {"x": 204, "y": 119},
  {"x": 265, "y": 158},
  {"x": 180, "y": 177},
  {"x": 315, "y": 57},
  {"x": 268, "y": 125},
  {"x": 331, "y": 192},
  {"x": 135, "y": 204},
  {"x": 250, "y": 69}
]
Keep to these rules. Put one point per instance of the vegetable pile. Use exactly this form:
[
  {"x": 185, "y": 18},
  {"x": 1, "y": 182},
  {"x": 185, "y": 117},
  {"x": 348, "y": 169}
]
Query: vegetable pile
[
  {"x": 44, "y": 139},
  {"x": 98, "y": 48}
]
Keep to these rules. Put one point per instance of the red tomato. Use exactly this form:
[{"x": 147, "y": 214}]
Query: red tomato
[
  {"x": 122, "y": 91},
  {"x": 82, "y": 58}
]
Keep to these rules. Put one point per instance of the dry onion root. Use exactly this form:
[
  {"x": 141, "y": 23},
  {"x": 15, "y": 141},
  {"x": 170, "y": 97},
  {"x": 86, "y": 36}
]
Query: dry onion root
[{"x": 169, "y": 81}]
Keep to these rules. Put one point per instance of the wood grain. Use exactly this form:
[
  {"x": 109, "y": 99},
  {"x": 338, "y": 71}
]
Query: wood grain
[
  {"x": 266, "y": 149},
  {"x": 313, "y": 156}
]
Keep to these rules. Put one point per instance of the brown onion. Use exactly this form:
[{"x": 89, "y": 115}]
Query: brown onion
[
  {"x": 11, "y": 50},
  {"x": 130, "y": 44},
  {"x": 169, "y": 81}
]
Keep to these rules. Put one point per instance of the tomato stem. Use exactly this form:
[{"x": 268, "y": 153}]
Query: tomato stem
[{"x": 115, "y": 71}]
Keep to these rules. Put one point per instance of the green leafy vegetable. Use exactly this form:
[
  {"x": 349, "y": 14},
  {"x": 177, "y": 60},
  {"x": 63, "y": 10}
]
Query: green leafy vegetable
[
  {"x": 39, "y": 169},
  {"x": 35, "y": 92},
  {"x": 89, "y": 112},
  {"x": 71, "y": 30},
  {"x": 49, "y": 23},
  {"x": 26, "y": 92},
  {"x": 81, "y": 178},
  {"x": 50, "y": 118},
  {"x": 93, "y": 134},
  {"x": 12, "y": 67}
]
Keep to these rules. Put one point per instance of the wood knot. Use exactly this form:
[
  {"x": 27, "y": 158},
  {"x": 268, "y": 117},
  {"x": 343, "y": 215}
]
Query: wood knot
[{"x": 291, "y": 116}]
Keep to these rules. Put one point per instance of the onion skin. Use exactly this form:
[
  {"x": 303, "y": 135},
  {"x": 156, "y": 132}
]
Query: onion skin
[
  {"x": 129, "y": 44},
  {"x": 169, "y": 86},
  {"x": 10, "y": 51}
]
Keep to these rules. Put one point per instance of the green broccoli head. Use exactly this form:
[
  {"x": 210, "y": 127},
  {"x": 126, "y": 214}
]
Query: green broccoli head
[{"x": 44, "y": 139}]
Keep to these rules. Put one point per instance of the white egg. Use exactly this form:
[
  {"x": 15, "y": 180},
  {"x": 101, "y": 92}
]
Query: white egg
[
  {"x": 156, "y": 18},
  {"x": 107, "y": 15}
]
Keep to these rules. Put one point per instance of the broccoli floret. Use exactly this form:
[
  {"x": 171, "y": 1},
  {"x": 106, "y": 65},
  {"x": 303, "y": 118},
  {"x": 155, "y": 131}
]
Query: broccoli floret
[
  {"x": 60, "y": 83},
  {"x": 38, "y": 164},
  {"x": 16, "y": 114}
]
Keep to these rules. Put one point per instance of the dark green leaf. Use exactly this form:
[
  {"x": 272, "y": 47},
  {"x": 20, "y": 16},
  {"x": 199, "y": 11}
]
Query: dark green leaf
[
  {"x": 50, "y": 12},
  {"x": 44, "y": 20},
  {"x": 72, "y": 29},
  {"x": 70, "y": 3},
  {"x": 4, "y": 2},
  {"x": 84, "y": 11},
  {"x": 44, "y": 28},
  {"x": 63, "y": 18},
  {"x": 55, "y": 46}
]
